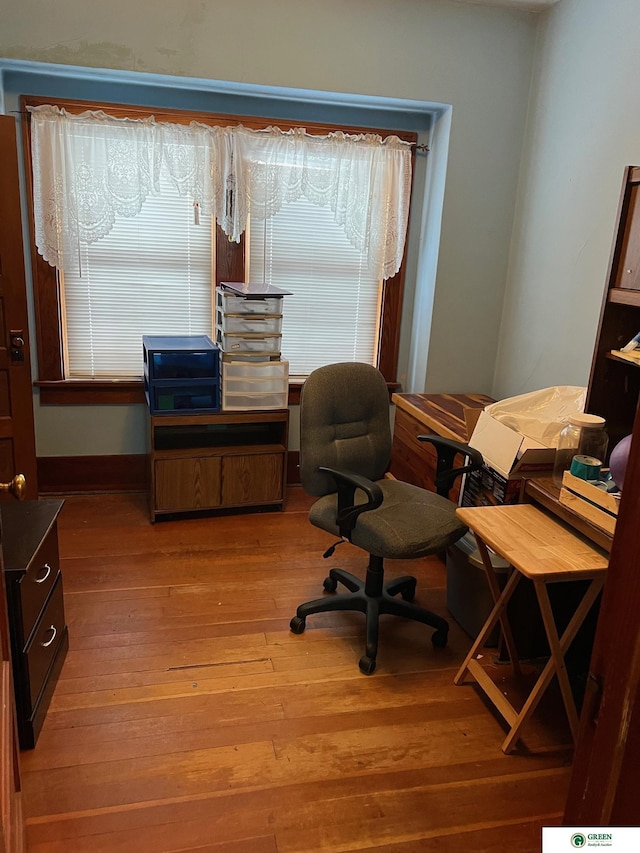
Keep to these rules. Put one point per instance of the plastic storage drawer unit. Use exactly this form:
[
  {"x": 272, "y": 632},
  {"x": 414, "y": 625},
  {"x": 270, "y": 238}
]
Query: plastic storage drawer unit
[{"x": 257, "y": 385}]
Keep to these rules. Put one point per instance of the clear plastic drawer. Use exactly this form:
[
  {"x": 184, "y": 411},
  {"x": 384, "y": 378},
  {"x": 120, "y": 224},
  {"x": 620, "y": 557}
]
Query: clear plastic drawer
[
  {"x": 255, "y": 370},
  {"x": 251, "y": 324},
  {"x": 260, "y": 400},
  {"x": 253, "y": 386},
  {"x": 230, "y": 304},
  {"x": 230, "y": 342}
]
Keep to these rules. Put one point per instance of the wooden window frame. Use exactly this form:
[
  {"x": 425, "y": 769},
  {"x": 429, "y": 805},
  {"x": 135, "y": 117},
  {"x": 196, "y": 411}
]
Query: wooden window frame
[{"x": 229, "y": 264}]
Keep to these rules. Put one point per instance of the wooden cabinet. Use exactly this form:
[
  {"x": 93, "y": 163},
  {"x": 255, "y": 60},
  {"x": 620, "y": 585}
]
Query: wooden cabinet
[
  {"x": 37, "y": 627},
  {"x": 614, "y": 381},
  {"x": 218, "y": 461}
]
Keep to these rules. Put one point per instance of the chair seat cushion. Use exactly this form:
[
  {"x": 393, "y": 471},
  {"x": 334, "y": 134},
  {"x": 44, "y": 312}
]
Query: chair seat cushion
[{"x": 411, "y": 522}]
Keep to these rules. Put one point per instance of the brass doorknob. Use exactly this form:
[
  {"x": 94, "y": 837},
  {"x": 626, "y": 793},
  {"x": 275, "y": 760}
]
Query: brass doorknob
[{"x": 16, "y": 486}]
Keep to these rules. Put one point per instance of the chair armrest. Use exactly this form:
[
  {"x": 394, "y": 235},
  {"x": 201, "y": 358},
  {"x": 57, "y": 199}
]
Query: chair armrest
[
  {"x": 446, "y": 450},
  {"x": 347, "y": 483}
]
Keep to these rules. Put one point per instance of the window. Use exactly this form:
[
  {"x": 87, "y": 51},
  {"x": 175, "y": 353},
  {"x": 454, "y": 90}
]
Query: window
[
  {"x": 85, "y": 322},
  {"x": 332, "y": 314},
  {"x": 150, "y": 275}
]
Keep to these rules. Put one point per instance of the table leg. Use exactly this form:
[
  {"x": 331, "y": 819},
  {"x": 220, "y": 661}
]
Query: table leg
[
  {"x": 496, "y": 614},
  {"x": 496, "y": 592},
  {"x": 555, "y": 665}
]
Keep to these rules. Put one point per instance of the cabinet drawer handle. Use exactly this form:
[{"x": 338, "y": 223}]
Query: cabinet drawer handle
[
  {"x": 53, "y": 636},
  {"x": 45, "y": 575}
]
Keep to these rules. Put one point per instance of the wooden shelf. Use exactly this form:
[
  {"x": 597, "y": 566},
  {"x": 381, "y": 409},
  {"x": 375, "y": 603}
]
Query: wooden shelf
[
  {"x": 624, "y": 296},
  {"x": 624, "y": 358},
  {"x": 613, "y": 390}
]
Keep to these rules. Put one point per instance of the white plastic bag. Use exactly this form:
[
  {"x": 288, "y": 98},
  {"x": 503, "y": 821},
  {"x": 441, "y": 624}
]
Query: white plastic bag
[{"x": 540, "y": 415}]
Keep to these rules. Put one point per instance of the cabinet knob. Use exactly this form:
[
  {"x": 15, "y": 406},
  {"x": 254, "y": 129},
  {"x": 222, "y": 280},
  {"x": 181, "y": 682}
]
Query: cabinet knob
[{"x": 16, "y": 486}]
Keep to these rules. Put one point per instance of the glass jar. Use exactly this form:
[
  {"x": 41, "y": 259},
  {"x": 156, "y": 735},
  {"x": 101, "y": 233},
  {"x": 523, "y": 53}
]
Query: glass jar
[{"x": 585, "y": 435}]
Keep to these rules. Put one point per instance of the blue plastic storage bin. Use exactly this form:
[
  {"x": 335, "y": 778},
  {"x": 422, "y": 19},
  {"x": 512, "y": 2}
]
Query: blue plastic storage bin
[
  {"x": 186, "y": 397},
  {"x": 171, "y": 357}
]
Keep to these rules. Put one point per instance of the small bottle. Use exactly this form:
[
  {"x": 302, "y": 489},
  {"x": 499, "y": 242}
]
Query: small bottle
[{"x": 583, "y": 434}]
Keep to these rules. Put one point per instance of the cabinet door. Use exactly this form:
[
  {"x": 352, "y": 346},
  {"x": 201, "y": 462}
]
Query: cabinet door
[
  {"x": 252, "y": 479},
  {"x": 189, "y": 483}
]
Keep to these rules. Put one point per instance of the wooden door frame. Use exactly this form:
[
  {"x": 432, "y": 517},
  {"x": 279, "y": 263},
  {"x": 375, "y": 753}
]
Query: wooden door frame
[
  {"x": 19, "y": 424},
  {"x": 606, "y": 767},
  {"x": 12, "y": 834}
]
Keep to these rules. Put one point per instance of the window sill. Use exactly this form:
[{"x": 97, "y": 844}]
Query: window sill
[
  {"x": 88, "y": 392},
  {"x": 101, "y": 392}
]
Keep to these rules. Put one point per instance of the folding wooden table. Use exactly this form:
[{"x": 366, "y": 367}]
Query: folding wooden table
[{"x": 546, "y": 552}]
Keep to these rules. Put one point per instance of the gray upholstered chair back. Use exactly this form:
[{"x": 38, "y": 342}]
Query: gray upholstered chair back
[{"x": 344, "y": 424}]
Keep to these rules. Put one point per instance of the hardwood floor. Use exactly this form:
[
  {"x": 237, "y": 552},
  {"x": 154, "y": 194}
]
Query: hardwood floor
[{"x": 188, "y": 717}]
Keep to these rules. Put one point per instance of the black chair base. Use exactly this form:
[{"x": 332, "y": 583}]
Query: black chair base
[{"x": 373, "y": 597}]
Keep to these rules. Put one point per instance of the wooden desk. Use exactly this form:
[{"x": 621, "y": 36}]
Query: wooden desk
[
  {"x": 447, "y": 415},
  {"x": 545, "y": 551}
]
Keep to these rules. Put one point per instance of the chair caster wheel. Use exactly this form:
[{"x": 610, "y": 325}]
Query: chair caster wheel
[
  {"x": 367, "y": 665},
  {"x": 330, "y": 585},
  {"x": 297, "y": 625},
  {"x": 439, "y": 638}
]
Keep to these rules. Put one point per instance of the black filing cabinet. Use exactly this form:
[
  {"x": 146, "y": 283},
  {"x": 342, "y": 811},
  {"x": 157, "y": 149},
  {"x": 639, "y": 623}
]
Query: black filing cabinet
[{"x": 39, "y": 635}]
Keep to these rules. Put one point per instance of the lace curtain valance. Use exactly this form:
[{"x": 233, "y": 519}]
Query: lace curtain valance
[{"x": 91, "y": 168}]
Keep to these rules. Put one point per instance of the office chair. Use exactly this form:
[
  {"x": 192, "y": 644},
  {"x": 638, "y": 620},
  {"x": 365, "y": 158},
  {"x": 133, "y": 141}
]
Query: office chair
[{"x": 345, "y": 448}]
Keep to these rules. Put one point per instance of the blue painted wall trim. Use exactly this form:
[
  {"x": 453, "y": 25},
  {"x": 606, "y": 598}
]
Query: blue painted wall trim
[{"x": 155, "y": 90}]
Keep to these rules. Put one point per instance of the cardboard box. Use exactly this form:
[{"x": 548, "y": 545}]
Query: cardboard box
[
  {"x": 508, "y": 457},
  {"x": 595, "y": 504}
]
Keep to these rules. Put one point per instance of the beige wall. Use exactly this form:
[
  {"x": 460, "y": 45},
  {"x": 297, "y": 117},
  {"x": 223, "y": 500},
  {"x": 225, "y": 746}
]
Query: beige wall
[
  {"x": 583, "y": 129},
  {"x": 476, "y": 59}
]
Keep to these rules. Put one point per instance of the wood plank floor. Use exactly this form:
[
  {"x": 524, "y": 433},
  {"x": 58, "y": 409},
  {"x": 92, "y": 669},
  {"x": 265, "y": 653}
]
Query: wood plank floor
[{"x": 188, "y": 717}]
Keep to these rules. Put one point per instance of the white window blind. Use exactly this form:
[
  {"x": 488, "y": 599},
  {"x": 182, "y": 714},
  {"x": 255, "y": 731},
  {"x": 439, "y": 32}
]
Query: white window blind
[
  {"x": 333, "y": 312},
  {"x": 150, "y": 275}
]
